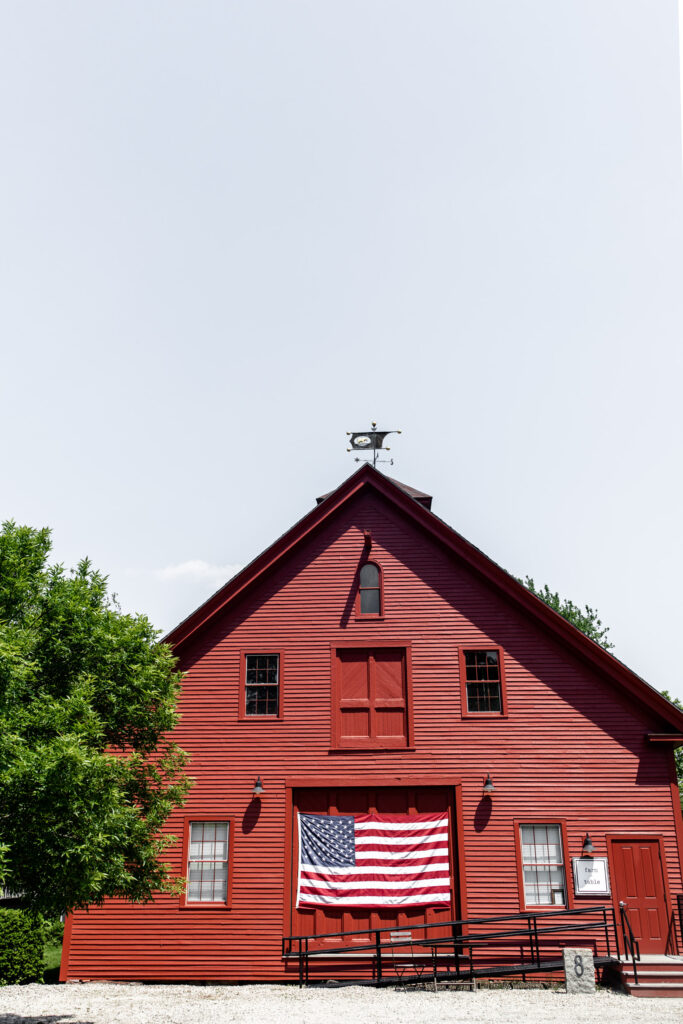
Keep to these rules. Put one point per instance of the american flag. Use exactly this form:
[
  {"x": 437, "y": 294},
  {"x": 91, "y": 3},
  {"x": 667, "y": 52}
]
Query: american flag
[{"x": 373, "y": 860}]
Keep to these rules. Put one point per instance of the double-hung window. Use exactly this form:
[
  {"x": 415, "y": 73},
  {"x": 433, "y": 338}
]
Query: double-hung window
[
  {"x": 207, "y": 862},
  {"x": 262, "y": 685},
  {"x": 543, "y": 868},
  {"x": 482, "y": 682}
]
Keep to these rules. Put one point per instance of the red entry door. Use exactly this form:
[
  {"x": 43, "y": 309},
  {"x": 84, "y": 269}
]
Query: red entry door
[{"x": 639, "y": 883}]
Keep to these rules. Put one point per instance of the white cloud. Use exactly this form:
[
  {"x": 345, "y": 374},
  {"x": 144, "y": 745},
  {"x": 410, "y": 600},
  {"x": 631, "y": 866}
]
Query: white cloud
[{"x": 194, "y": 570}]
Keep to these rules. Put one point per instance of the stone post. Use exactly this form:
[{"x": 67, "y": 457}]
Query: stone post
[{"x": 579, "y": 970}]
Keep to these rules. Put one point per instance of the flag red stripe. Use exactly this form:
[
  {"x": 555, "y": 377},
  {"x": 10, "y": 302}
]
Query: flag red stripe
[
  {"x": 363, "y": 848},
  {"x": 386, "y": 901},
  {"x": 415, "y": 876},
  {"x": 422, "y": 830},
  {"x": 376, "y": 862},
  {"x": 426, "y": 890},
  {"x": 400, "y": 819}
]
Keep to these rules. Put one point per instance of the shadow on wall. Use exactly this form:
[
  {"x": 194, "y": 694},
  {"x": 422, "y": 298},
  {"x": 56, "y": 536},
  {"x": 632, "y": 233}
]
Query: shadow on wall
[
  {"x": 249, "y": 819},
  {"x": 482, "y": 814},
  {"x": 41, "y": 1018}
]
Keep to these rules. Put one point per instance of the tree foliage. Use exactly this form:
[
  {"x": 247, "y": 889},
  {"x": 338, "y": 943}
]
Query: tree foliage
[
  {"x": 678, "y": 751},
  {"x": 87, "y": 695},
  {"x": 586, "y": 618}
]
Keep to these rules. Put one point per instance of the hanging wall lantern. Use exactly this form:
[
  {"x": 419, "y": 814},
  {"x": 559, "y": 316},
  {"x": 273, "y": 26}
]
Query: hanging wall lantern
[
  {"x": 489, "y": 788},
  {"x": 258, "y": 789}
]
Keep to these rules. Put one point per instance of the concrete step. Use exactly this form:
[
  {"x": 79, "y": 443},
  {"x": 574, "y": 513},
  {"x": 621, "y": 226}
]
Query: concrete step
[
  {"x": 672, "y": 964},
  {"x": 655, "y": 990},
  {"x": 655, "y": 977},
  {"x": 658, "y": 977}
]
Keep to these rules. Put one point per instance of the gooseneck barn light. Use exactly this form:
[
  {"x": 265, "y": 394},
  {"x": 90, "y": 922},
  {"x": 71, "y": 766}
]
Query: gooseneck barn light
[
  {"x": 587, "y": 846},
  {"x": 489, "y": 788},
  {"x": 258, "y": 789}
]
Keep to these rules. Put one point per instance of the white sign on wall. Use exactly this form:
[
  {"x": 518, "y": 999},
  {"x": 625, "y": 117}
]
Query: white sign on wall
[{"x": 591, "y": 876}]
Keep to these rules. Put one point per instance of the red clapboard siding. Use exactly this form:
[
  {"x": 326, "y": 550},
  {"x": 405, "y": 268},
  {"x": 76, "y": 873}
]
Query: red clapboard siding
[{"x": 573, "y": 745}]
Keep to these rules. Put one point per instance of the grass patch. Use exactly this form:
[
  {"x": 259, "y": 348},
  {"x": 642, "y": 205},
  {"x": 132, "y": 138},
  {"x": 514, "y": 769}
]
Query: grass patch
[{"x": 52, "y": 958}]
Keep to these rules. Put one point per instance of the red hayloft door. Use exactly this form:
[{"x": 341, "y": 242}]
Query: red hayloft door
[{"x": 382, "y": 800}]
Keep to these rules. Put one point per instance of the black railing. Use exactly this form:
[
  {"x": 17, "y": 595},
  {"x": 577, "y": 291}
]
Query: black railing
[
  {"x": 530, "y": 932},
  {"x": 631, "y": 946}
]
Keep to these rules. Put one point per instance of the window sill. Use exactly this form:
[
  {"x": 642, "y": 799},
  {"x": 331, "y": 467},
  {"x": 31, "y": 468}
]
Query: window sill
[
  {"x": 260, "y": 718},
  {"x": 204, "y": 906},
  {"x": 484, "y": 714},
  {"x": 372, "y": 750},
  {"x": 368, "y": 618},
  {"x": 542, "y": 907}
]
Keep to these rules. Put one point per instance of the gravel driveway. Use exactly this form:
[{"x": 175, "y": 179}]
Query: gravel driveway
[{"x": 263, "y": 1004}]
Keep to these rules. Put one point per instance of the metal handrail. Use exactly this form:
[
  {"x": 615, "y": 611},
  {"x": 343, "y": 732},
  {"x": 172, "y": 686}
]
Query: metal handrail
[
  {"x": 461, "y": 939},
  {"x": 576, "y": 912},
  {"x": 631, "y": 944}
]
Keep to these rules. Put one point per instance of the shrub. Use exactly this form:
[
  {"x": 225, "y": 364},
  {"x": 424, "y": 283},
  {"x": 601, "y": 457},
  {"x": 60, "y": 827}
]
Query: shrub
[
  {"x": 53, "y": 931},
  {"x": 21, "y": 947}
]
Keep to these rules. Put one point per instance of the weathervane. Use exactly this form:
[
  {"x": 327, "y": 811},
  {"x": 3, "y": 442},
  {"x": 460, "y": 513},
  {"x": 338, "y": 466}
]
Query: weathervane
[{"x": 370, "y": 441}]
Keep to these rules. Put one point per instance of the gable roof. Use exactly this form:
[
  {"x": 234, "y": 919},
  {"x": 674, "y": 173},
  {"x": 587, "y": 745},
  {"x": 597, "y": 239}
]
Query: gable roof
[
  {"x": 420, "y": 496},
  {"x": 412, "y": 503}
]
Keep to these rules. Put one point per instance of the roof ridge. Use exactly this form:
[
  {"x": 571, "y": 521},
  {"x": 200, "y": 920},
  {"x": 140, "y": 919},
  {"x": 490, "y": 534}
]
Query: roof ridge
[{"x": 420, "y": 496}]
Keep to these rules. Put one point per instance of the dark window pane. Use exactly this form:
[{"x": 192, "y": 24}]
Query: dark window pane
[
  {"x": 262, "y": 689},
  {"x": 483, "y": 696},
  {"x": 481, "y": 665},
  {"x": 369, "y": 575},
  {"x": 369, "y": 602}
]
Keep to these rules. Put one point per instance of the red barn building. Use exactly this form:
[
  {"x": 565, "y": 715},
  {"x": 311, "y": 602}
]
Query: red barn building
[{"x": 372, "y": 661}]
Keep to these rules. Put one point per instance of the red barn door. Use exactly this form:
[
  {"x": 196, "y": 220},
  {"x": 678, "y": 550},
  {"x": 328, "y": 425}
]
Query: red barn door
[
  {"x": 382, "y": 800},
  {"x": 371, "y": 697},
  {"x": 639, "y": 883}
]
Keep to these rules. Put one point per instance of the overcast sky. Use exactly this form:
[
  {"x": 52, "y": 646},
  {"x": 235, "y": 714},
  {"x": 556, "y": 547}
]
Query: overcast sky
[{"x": 229, "y": 232}]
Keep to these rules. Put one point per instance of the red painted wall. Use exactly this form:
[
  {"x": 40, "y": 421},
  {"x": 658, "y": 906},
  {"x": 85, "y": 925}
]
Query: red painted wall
[{"x": 572, "y": 747}]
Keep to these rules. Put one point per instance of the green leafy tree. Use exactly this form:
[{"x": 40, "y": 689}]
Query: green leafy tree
[
  {"x": 586, "y": 618},
  {"x": 678, "y": 751},
  {"x": 87, "y": 696}
]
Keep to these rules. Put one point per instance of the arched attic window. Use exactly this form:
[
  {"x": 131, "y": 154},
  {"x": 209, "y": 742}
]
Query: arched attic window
[{"x": 370, "y": 589}]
